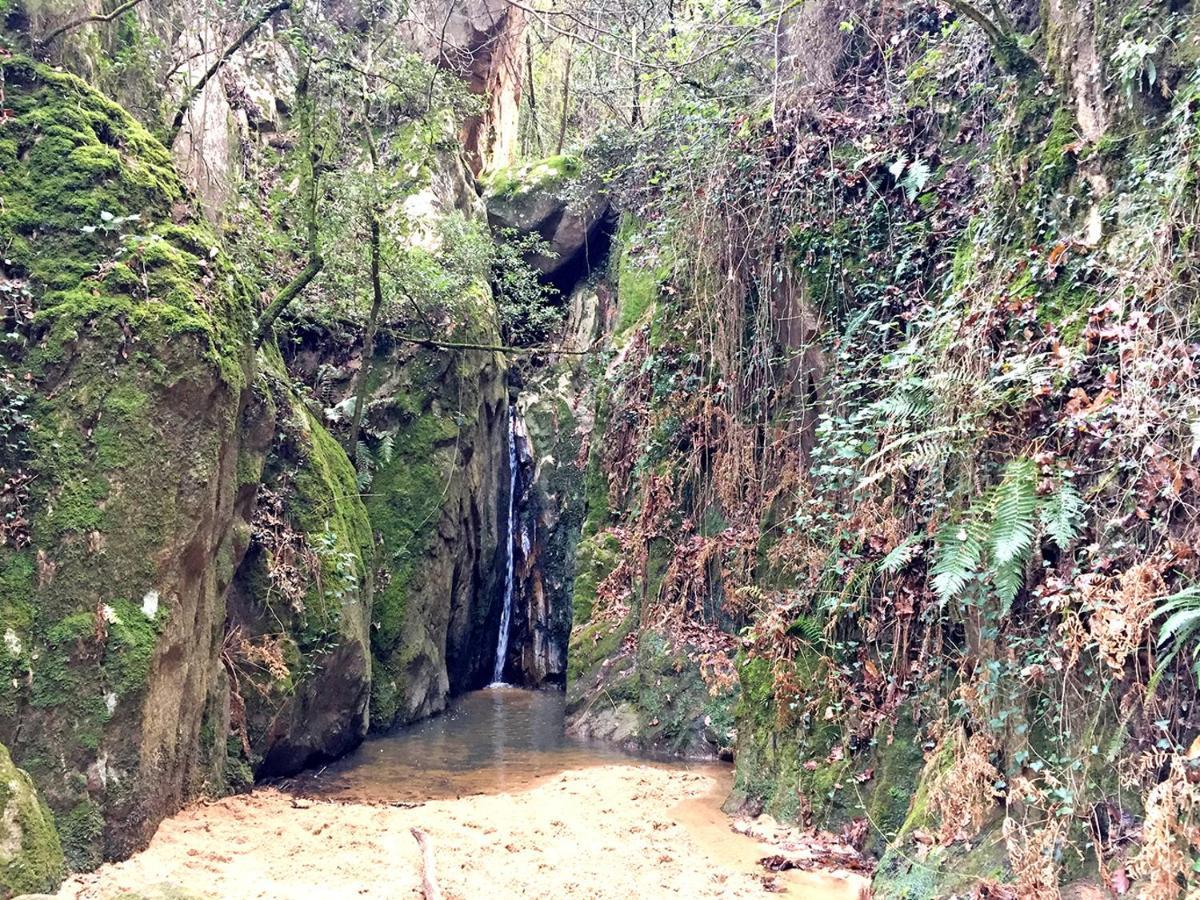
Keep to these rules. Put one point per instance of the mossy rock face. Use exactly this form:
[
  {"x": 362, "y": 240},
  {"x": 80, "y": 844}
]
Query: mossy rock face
[
  {"x": 647, "y": 697},
  {"x": 436, "y": 430},
  {"x": 31, "y": 857},
  {"x": 435, "y": 505},
  {"x": 553, "y": 201},
  {"x": 123, "y": 392},
  {"x": 811, "y": 768},
  {"x": 301, "y": 600}
]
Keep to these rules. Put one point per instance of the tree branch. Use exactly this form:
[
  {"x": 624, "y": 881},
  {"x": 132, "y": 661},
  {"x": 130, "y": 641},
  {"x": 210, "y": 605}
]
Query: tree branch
[
  {"x": 1005, "y": 48},
  {"x": 308, "y": 187},
  {"x": 98, "y": 18},
  {"x": 238, "y": 43},
  {"x": 360, "y": 389},
  {"x": 498, "y": 348},
  {"x": 286, "y": 296}
]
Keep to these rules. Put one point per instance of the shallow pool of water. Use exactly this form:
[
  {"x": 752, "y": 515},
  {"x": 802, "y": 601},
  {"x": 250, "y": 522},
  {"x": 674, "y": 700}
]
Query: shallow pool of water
[
  {"x": 489, "y": 741},
  {"x": 506, "y": 739}
]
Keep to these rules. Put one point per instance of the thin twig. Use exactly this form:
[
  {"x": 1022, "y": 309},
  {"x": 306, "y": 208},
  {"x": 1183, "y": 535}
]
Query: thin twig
[{"x": 429, "y": 883}]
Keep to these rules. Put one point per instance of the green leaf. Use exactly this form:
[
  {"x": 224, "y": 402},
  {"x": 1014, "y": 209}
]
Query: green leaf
[
  {"x": 958, "y": 555},
  {"x": 901, "y": 555},
  {"x": 1062, "y": 515}
]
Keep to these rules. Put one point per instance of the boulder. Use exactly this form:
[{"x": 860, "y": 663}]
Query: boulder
[
  {"x": 124, "y": 381},
  {"x": 569, "y": 213},
  {"x": 31, "y": 857},
  {"x": 297, "y": 642}
]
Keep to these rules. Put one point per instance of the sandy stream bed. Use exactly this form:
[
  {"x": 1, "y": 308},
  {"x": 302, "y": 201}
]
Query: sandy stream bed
[{"x": 610, "y": 831}]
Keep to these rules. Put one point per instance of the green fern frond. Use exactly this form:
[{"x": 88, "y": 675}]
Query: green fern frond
[
  {"x": 929, "y": 450},
  {"x": 1007, "y": 580},
  {"x": 901, "y": 555},
  {"x": 1182, "y": 625},
  {"x": 1062, "y": 515},
  {"x": 1013, "y": 528},
  {"x": 858, "y": 587},
  {"x": 1014, "y": 513},
  {"x": 363, "y": 459},
  {"x": 387, "y": 445},
  {"x": 808, "y": 628},
  {"x": 362, "y": 480},
  {"x": 957, "y": 557}
]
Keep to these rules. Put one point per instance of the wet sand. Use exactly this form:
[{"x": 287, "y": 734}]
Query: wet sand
[{"x": 603, "y": 831}]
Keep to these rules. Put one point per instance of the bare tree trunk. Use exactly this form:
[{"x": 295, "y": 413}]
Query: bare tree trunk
[
  {"x": 635, "y": 114},
  {"x": 566, "y": 102},
  {"x": 368, "y": 350},
  {"x": 535, "y": 125}
]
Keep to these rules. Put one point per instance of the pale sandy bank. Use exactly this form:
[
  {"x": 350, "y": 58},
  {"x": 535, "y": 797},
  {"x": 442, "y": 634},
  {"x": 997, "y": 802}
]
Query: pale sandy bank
[{"x": 613, "y": 831}]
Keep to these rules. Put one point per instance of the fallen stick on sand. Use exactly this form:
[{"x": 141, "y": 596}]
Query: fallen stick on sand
[{"x": 429, "y": 883}]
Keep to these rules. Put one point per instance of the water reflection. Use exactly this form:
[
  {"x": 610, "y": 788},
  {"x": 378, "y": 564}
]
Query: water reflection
[{"x": 488, "y": 741}]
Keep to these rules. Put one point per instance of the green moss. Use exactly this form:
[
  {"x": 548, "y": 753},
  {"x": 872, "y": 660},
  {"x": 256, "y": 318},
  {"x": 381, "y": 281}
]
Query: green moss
[
  {"x": 639, "y": 276},
  {"x": 81, "y": 829},
  {"x": 404, "y": 506},
  {"x": 596, "y": 557},
  {"x": 592, "y": 643},
  {"x": 31, "y": 856},
  {"x": 89, "y": 200},
  {"x": 539, "y": 175},
  {"x": 670, "y": 696},
  {"x": 129, "y": 652},
  {"x": 809, "y": 762}
]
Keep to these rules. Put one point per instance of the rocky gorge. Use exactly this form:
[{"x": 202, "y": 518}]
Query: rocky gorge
[{"x": 824, "y": 406}]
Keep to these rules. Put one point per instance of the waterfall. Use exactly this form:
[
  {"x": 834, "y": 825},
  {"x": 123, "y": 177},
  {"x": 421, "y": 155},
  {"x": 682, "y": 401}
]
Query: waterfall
[{"x": 506, "y": 615}]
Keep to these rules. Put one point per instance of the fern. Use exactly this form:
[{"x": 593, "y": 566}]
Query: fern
[
  {"x": 387, "y": 445},
  {"x": 1182, "y": 625},
  {"x": 958, "y": 556},
  {"x": 364, "y": 462},
  {"x": 901, "y": 555},
  {"x": 363, "y": 457},
  {"x": 1013, "y": 526},
  {"x": 808, "y": 628},
  {"x": 1000, "y": 527},
  {"x": 363, "y": 479},
  {"x": 1062, "y": 515}
]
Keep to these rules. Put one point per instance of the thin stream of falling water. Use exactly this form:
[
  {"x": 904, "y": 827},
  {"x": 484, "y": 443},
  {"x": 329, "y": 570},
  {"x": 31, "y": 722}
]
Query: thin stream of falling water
[{"x": 506, "y": 614}]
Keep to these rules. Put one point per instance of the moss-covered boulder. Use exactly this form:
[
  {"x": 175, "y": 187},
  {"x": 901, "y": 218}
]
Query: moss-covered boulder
[
  {"x": 647, "y": 696},
  {"x": 31, "y": 857},
  {"x": 124, "y": 368},
  {"x": 811, "y": 768},
  {"x": 297, "y": 641},
  {"x": 550, "y": 200}
]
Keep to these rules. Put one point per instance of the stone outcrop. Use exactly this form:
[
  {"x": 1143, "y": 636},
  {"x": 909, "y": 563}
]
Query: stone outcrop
[
  {"x": 480, "y": 41},
  {"x": 556, "y": 405},
  {"x": 31, "y": 857},
  {"x": 126, "y": 381},
  {"x": 436, "y": 425},
  {"x": 297, "y": 641},
  {"x": 569, "y": 214}
]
